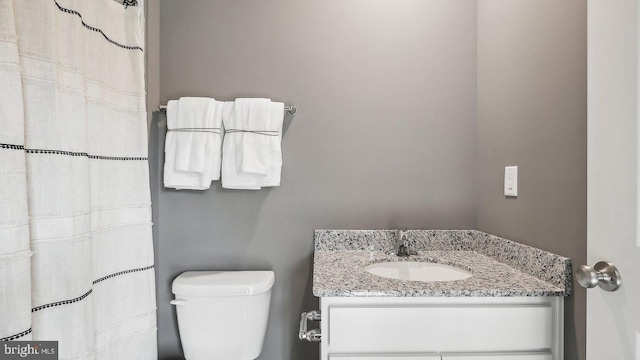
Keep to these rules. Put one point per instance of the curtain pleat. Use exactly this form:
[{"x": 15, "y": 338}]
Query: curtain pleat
[
  {"x": 76, "y": 256},
  {"x": 15, "y": 253}
]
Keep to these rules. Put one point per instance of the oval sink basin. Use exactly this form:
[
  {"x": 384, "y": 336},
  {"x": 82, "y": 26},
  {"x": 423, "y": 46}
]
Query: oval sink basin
[{"x": 417, "y": 271}]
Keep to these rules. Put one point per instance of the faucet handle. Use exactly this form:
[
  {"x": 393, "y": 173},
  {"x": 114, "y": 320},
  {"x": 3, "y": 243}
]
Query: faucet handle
[{"x": 402, "y": 244}]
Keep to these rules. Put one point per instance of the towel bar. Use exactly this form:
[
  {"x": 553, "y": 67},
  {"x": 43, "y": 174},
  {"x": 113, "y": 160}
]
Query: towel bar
[{"x": 292, "y": 110}]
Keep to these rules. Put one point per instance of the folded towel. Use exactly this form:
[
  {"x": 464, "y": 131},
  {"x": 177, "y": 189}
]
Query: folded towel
[
  {"x": 252, "y": 148},
  {"x": 193, "y": 143},
  {"x": 252, "y": 151},
  {"x": 275, "y": 146},
  {"x": 195, "y": 122}
]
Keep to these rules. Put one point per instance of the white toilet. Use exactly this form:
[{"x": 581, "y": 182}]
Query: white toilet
[{"x": 222, "y": 314}]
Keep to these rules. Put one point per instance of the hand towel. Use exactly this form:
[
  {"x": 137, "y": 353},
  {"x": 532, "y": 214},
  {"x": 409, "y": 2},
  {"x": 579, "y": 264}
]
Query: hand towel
[
  {"x": 252, "y": 148},
  {"x": 193, "y": 143},
  {"x": 274, "y": 174},
  {"x": 195, "y": 118}
]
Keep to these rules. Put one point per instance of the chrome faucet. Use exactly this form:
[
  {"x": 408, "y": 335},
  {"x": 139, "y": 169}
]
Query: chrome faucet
[{"x": 402, "y": 244}]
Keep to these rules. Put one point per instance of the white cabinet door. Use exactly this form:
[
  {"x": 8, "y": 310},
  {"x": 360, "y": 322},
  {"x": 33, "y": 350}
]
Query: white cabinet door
[
  {"x": 515, "y": 356},
  {"x": 385, "y": 357}
]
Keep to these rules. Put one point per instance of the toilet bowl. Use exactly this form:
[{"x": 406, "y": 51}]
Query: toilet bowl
[{"x": 222, "y": 314}]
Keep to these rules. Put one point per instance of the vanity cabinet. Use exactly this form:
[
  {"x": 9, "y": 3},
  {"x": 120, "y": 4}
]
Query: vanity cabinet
[
  {"x": 521, "y": 356},
  {"x": 447, "y": 328},
  {"x": 386, "y": 357}
]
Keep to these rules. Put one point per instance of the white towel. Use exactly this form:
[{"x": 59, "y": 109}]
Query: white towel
[
  {"x": 275, "y": 146},
  {"x": 252, "y": 149},
  {"x": 193, "y": 143},
  {"x": 195, "y": 117}
]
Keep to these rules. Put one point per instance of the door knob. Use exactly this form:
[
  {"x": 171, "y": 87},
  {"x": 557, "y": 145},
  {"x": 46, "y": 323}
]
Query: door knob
[{"x": 603, "y": 274}]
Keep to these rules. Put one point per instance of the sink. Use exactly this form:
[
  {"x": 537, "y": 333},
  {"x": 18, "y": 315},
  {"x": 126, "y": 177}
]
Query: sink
[{"x": 417, "y": 271}]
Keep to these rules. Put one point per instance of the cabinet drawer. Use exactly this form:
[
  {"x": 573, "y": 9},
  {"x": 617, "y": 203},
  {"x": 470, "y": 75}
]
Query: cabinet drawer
[
  {"x": 440, "y": 328},
  {"x": 385, "y": 357},
  {"x": 521, "y": 356}
]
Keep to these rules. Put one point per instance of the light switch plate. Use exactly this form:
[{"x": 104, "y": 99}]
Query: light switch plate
[{"x": 511, "y": 181}]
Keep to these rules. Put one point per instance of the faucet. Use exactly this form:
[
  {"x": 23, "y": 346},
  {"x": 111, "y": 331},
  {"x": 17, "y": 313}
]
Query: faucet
[{"x": 402, "y": 244}]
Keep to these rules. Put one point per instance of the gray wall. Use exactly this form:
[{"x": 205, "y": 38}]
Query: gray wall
[
  {"x": 532, "y": 113},
  {"x": 385, "y": 135}
]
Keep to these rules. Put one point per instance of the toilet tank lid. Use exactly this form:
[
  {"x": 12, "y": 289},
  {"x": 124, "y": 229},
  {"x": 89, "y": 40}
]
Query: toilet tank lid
[{"x": 222, "y": 283}]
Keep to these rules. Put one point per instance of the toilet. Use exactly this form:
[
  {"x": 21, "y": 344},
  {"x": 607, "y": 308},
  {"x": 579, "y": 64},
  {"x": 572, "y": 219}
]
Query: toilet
[{"x": 222, "y": 314}]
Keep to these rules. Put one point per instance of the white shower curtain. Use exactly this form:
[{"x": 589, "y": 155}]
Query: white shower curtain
[{"x": 76, "y": 256}]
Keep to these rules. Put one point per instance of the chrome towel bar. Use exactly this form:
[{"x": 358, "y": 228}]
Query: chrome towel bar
[{"x": 292, "y": 110}]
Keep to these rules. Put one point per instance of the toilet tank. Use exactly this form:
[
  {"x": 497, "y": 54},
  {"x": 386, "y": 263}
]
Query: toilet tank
[{"x": 222, "y": 314}]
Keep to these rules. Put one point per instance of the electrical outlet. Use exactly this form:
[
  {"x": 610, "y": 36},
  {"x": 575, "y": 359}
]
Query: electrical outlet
[{"x": 511, "y": 181}]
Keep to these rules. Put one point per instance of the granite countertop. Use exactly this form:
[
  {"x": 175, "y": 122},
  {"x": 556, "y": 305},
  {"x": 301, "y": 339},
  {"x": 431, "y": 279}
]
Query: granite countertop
[{"x": 500, "y": 267}]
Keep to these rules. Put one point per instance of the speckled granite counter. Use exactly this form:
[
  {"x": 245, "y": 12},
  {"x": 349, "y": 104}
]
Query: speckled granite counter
[{"x": 500, "y": 267}]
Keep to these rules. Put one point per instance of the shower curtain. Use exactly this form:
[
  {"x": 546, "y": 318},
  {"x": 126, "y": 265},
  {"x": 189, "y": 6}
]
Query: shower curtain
[{"x": 76, "y": 256}]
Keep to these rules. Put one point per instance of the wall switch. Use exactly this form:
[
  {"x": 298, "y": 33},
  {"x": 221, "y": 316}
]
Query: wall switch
[{"x": 511, "y": 181}]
